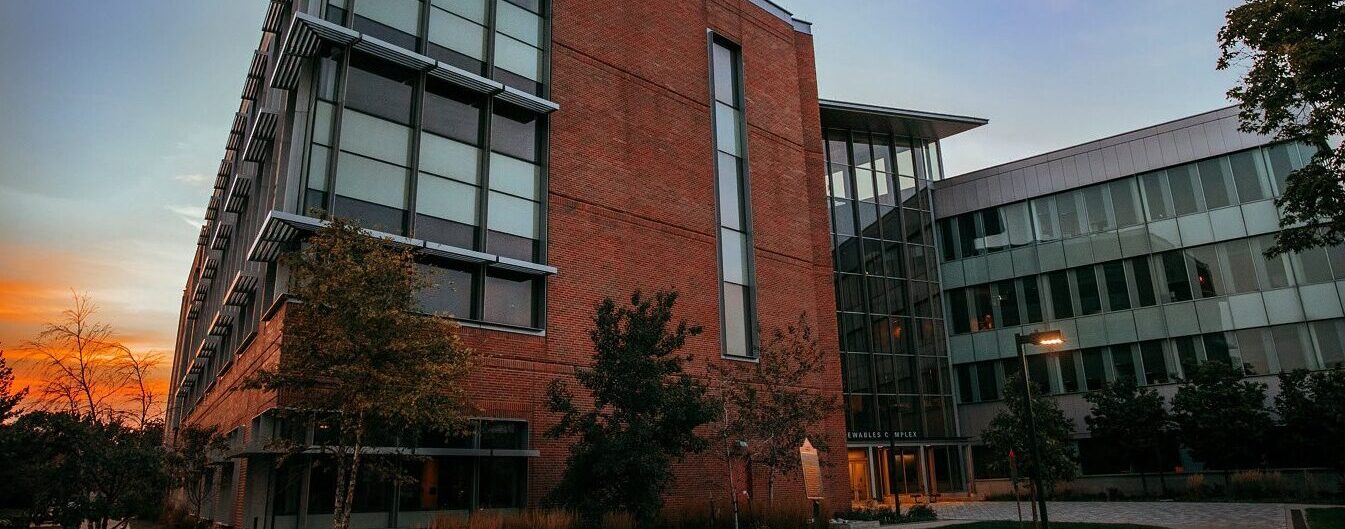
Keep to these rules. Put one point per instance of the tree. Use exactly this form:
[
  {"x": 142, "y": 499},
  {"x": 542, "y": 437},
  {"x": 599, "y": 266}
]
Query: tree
[
  {"x": 1008, "y": 432},
  {"x": 1221, "y": 417},
  {"x": 9, "y": 399},
  {"x": 81, "y": 362},
  {"x": 1132, "y": 419},
  {"x": 356, "y": 353},
  {"x": 642, "y": 416},
  {"x": 1294, "y": 89},
  {"x": 769, "y": 405},
  {"x": 188, "y": 462},
  {"x": 77, "y": 470},
  {"x": 135, "y": 369},
  {"x": 1311, "y": 409}
]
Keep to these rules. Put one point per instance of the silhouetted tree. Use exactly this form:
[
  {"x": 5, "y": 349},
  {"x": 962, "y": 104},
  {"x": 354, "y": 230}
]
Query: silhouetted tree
[
  {"x": 1222, "y": 417},
  {"x": 1008, "y": 431},
  {"x": 639, "y": 414},
  {"x": 1132, "y": 419}
]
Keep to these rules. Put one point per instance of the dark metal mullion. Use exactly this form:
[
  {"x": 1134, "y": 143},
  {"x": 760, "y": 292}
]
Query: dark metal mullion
[
  {"x": 342, "y": 77},
  {"x": 485, "y": 118},
  {"x": 852, "y": 177},
  {"x": 488, "y": 53},
  {"x": 413, "y": 157},
  {"x": 920, "y": 388}
]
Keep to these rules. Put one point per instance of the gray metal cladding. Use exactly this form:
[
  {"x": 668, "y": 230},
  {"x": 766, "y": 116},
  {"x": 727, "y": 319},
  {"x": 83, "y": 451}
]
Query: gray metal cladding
[{"x": 1176, "y": 142}]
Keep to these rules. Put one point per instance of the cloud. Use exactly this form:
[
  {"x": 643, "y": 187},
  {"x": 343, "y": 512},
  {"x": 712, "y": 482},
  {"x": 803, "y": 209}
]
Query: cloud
[
  {"x": 194, "y": 216},
  {"x": 195, "y": 179}
]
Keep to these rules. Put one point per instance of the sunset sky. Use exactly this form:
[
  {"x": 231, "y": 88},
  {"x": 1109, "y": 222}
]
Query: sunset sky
[{"x": 114, "y": 115}]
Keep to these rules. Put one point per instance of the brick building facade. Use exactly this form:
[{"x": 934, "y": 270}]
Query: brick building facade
[{"x": 540, "y": 156}]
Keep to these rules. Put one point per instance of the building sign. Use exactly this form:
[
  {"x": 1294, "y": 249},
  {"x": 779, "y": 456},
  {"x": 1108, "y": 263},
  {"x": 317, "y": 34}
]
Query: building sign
[
  {"x": 874, "y": 436},
  {"x": 812, "y": 471}
]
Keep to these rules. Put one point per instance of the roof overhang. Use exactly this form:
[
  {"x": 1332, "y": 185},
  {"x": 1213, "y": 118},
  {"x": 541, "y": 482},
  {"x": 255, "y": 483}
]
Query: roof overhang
[{"x": 916, "y": 123}]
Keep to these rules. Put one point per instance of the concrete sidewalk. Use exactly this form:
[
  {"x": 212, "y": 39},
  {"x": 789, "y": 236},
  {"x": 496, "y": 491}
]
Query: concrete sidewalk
[{"x": 1174, "y": 515}]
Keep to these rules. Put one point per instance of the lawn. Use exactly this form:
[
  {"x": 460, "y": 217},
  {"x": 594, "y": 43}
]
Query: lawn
[
  {"x": 1333, "y": 518},
  {"x": 1056, "y": 525}
]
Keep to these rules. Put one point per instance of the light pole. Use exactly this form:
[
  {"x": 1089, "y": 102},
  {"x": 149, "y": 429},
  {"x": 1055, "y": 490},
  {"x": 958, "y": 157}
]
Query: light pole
[{"x": 1036, "y": 338}]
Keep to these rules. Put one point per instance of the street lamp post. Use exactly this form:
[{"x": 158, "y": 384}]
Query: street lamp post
[{"x": 1036, "y": 338}]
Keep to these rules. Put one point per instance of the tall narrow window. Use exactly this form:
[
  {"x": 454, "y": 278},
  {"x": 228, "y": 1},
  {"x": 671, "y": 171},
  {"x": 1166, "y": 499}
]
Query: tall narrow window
[{"x": 735, "y": 233}]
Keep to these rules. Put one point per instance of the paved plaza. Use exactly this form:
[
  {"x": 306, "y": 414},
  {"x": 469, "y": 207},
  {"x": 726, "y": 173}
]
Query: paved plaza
[{"x": 1173, "y": 515}]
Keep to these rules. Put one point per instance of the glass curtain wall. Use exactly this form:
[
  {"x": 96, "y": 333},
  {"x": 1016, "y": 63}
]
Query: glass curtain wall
[{"x": 892, "y": 336}]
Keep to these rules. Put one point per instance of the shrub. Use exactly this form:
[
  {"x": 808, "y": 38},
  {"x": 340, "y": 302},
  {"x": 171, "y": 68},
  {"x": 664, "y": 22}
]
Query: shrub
[
  {"x": 920, "y": 513},
  {"x": 1196, "y": 488},
  {"x": 1256, "y": 484},
  {"x": 529, "y": 519}
]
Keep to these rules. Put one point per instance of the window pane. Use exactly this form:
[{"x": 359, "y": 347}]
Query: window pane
[
  {"x": 451, "y": 112},
  {"x": 1114, "y": 275},
  {"x": 735, "y": 325},
  {"x": 958, "y": 311},
  {"x": 1154, "y": 362},
  {"x": 1249, "y": 176},
  {"x": 1336, "y": 254},
  {"x": 1006, "y": 296},
  {"x": 1311, "y": 266},
  {"x": 374, "y": 87},
  {"x": 1069, "y": 376},
  {"x": 1155, "y": 199},
  {"x": 1204, "y": 267},
  {"x": 1181, "y": 182},
  {"x": 987, "y": 380},
  {"x": 1096, "y": 205},
  {"x": 1291, "y": 349},
  {"x": 371, "y": 181},
  {"x": 1241, "y": 266},
  {"x": 518, "y": 57},
  {"x": 1125, "y": 202},
  {"x": 1281, "y": 164},
  {"x": 1214, "y": 181},
  {"x": 1090, "y": 301},
  {"x": 1252, "y": 349},
  {"x": 1174, "y": 272},
  {"x": 1031, "y": 299},
  {"x": 514, "y": 176},
  {"x": 985, "y": 319},
  {"x": 446, "y": 199},
  {"x": 725, "y": 78},
  {"x": 1186, "y": 353},
  {"x": 1094, "y": 372},
  {"x": 947, "y": 239},
  {"x": 1274, "y": 270},
  {"x": 402, "y": 15},
  {"x": 512, "y": 215},
  {"x": 964, "y": 387},
  {"x": 375, "y": 138},
  {"x": 450, "y": 291},
  {"x": 726, "y": 130},
  {"x": 734, "y": 245},
  {"x": 509, "y": 300},
  {"x": 966, "y": 233},
  {"x": 1123, "y": 362},
  {"x": 457, "y": 34},
  {"x": 518, "y": 23},
  {"x": 864, "y": 185},
  {"x": 1019, "y": 221},
  {"x": 514, "y": 132},
  {"x": 1068, "y": 207},
  {"x": 1043, "y": 210},
  {"x": 1330, "y": 342},
  {"x": 448, "y": 158},
  {"x": 1039, "y": 374},
  {"x": 992, "y": 224},
  {"x": 1144, "y": 281},
  {"x": 730, "y": 202},
  {"x": 1217, "y": 348},
  {"x": 1060, "y": 297}
]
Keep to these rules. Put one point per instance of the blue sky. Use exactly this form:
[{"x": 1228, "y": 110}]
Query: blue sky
[{"x": 114, "y": 114}]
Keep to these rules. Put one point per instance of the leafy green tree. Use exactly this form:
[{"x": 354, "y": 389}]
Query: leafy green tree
[
  {"x": 77, "y": 470},
  {"x": 1222, "y": 417},
  {"x": 769, "y": 405},
  {"x": 640, "y": 414},
  {"x": 1132, "y": 419},
  {"x": 1311, "y": 409},
  {"x": 357, "y": 354},
  {"x": 1008, "y": 431},
  {"x": 1294, "y": 90},
  {"x": 188, "y": 461}
]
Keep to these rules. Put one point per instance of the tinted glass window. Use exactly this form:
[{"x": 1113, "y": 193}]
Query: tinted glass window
[
  {"x": 1174, "y": 272},
  {"x": 1204, "y": 266},
  {"x": 1248, "y": 176},
  {"x": 1114, "y": 275},
  {"x": 1125, "y": 202},
  {"x": 1090, "y": 301},
  {"x": 451, "y": 112},
  {"x": 1031, "y": 299},
  {"x": 987, "y": 380},
  {"x": 509, "y": 300},
  {"x": 1155, "y": 196},
  {"x": 375, "y": 87},
  {"x": 1067, "y": 206},
  {"x": 1123, "y": 362},
  {"x": 1061, "y": 302},
  {"x": 1144, "y": 281},
  {"x": 1214, "y": 182},
  {"x": 1181, "y": 183},
  {"x": 1095, "y": 203},
  {"x": 1290, "y": 348},
  {"x": 1252, "y": 349},
  {"x": 1155, "y": 362},
  {"x": 1241, "y": 266},
  {"x": 1094, "y": 370},
  {"x": 1007, "y": 298},
  {"x": 1069, "y": 376},
  {"x": 1330, "y": 342}
]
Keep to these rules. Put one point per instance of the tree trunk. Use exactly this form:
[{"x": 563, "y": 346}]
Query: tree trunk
[{"x": 345, "y": 494}]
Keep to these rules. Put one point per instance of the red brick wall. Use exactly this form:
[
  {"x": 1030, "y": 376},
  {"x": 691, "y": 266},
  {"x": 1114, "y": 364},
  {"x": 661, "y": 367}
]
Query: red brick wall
[{"x": 632, "y": 206}]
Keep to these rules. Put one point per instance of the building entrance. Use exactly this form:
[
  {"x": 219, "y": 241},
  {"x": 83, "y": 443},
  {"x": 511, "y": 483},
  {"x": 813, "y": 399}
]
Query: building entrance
[{"x": 919, "y": 473}]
